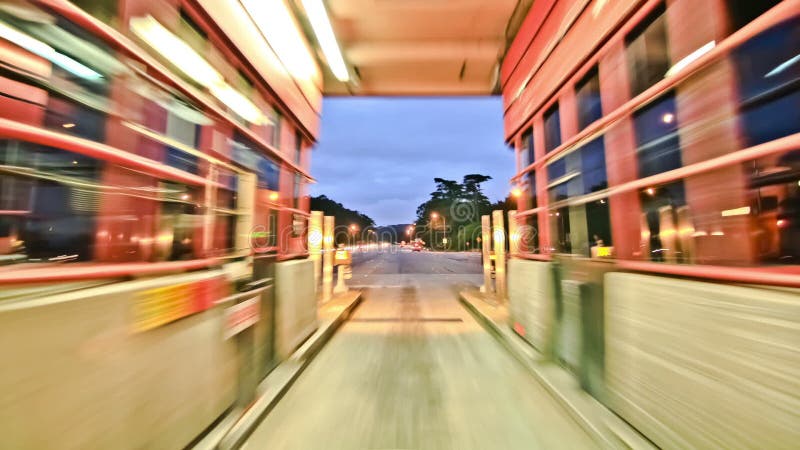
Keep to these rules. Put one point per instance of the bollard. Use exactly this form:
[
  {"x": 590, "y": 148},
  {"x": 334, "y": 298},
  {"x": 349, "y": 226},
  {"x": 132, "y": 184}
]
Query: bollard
[
  {"x": 315, "y": 238},
  {"x": 327, "y": 258},
  {"x": 513, "y": 234},
  {"x": 499, "y": 237},
  {"x": 341, "y": 286},
  {"x": 486, "y": 254}
]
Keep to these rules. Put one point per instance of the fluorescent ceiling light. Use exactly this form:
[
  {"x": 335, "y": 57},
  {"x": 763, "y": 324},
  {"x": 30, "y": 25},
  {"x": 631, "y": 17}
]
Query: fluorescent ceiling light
[
  {"x": 736, "y": 212},
  {"x": 321, "y": 24},
  {"x": 182, "y": 56},
  {"x": 176, "y": 51},
  {"x": 690, "y": 58},
  {"x": 238, "y": 103},
  {"x": 277, "y": 25},
  {"x": 39, "y": 48}
]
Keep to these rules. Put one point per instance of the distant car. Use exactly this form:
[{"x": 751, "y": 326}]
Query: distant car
[{"x": 416, "y": 248}]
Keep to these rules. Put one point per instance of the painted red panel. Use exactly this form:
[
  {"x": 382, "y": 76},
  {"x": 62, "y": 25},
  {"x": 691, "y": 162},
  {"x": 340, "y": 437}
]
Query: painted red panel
[
  {"x": 586, "y": 35},
  {"x": 526, "y": 33}
]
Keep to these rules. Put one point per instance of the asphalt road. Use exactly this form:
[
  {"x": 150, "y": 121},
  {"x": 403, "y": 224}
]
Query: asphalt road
[{"x": 412, "y": 369}]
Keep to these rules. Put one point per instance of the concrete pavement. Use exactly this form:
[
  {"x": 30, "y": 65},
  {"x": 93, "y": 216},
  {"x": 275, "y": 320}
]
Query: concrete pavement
[{"x": 412, "y": 369}]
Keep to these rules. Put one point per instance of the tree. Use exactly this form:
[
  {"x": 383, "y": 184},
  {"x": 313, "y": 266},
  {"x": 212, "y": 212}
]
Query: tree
[
  {"x": 458, "y": 208},
  {"x": 344, "y": 217}
]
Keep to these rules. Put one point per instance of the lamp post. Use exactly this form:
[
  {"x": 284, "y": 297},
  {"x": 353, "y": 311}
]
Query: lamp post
[
  {"x": 353, "y": 229},
  {"x": 435, "y": 215}
]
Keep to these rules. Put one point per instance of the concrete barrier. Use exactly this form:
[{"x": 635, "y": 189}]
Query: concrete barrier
[
  {"x": 704, "y": 365},
  {"x": 76, "y": 373},
  {"x": 531, "y": 304}
]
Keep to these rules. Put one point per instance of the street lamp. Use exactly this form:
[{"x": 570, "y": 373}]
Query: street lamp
[
  {"x": 353, "y": 228},
  {"x": 435, "y": 215}
]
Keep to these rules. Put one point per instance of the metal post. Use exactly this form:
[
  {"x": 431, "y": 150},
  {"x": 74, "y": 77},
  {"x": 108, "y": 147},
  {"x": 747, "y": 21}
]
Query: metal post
[
  {"x": 486, "y": 248},
  {"x": 315, "y": 244},
  {"x": 499, "y": 237},
  {"x": 327, "y": 258},
  {"x": 444, "y": 232},
  {"x": 513, "y": 234}
]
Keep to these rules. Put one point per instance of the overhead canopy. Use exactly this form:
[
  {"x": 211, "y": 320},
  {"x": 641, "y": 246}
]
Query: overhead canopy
[{"x": 419, "y": 47}]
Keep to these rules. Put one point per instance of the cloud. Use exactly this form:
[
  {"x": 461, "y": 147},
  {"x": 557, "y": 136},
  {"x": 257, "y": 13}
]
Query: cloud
[{"x": 380, "y": 155}]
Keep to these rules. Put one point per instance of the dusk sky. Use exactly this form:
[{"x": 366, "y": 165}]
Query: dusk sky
[{"x": 380, "y": 155}]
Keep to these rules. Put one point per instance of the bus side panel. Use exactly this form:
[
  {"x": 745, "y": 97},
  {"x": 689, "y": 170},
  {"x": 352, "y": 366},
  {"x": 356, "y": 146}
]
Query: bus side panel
[
  {"x": 703, "y": 365},
  {"x": 531, "y": 305},
  {"x": 79, "y": 366}
]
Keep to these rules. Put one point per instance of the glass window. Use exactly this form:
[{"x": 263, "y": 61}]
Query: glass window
[
  {"x": 530, "y": 195},
  {"x": 298, "y": 147},
  {"x": 648, "y": 52},
  {"x": 298, "y": 225},
  {"x": 587, "y": 93},
  {"x": 578, "y": 228},
  {"x": 246, "y": 152},
  {"x": 662, "y": 208},
  {"x": 769, "y": 83},
  {"x": 742, "y": 12},
  {"x": 529, "y": 234},
  {"x": 775, "y": 184},
  {"x": 188, "y": 133},
  {"x": 268, "y": 175},
  {"x": 277, "y": 120},
  {"x": 54, "y": 197},
  {"x": 526, "y": 149},
  {"x": 105, "y": 10},
  {"x": 298, "y": 182},
  {"x": 658, "y": 145},
  {"x": 191, "y": 33},
  {"x": 178, "y": 221},
  {"x": 552, "y": 128}
]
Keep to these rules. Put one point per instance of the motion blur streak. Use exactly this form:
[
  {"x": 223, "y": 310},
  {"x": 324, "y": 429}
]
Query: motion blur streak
[{"x": 157, "y": 285}]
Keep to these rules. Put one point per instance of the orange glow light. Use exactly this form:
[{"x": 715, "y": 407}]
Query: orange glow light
[
  {"x": 516, "y": 192},
  {"x": 273, "y": 196}
]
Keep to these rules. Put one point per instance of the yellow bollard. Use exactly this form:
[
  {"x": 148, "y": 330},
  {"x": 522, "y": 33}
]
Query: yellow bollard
[
  {"x": 315, "y": 244},
  {"x": 327, "y": 258},
  {"x": 486, "y": 248},
  {"x": 513, "y": 234},
  {"x": 499, "y": 238}
]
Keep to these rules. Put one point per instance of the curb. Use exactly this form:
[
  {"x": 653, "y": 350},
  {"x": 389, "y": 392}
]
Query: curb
[
  {"x": 234, "y": 429},
  {"x": 605, "y": 427}
]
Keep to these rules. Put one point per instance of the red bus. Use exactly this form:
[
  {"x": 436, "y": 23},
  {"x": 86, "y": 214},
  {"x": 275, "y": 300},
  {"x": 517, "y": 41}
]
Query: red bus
[
  {"x": 657, "y": 148},
  {"x": 147, "y": 164}
]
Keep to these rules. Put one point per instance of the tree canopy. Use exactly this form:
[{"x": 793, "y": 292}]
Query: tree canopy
[
  {"x": 344, "y": 217},
  {"x": 453, "y": 211}
]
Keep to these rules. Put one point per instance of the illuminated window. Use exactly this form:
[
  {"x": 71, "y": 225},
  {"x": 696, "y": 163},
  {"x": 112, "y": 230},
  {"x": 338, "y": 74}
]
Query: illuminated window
[
  {"x": 648, "y": 52},
  {"x": 658, "y": 147}
]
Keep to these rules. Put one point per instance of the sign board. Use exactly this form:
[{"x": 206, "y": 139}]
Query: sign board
[
  {"x": 159, "y": 306},
  {"x": 342, "y": 257},
  {"x": 240, "y": 316}
]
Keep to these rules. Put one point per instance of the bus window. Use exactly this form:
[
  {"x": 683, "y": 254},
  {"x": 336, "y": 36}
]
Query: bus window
[
  {"x": 647, "y": 52},
  {"x": 579, "y": 226},
  {"x": 775, "y": 185},
  {"x": 769, "y": 83}
]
